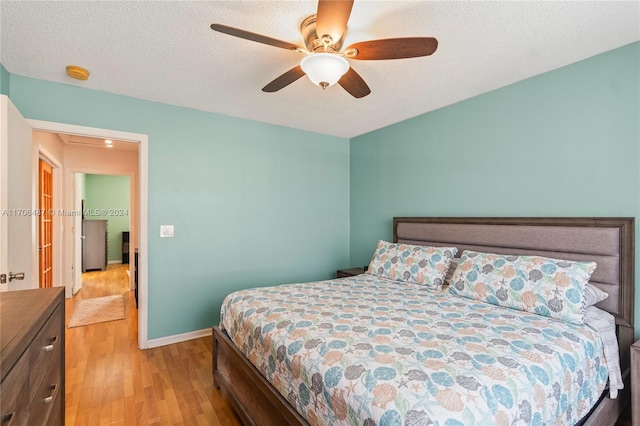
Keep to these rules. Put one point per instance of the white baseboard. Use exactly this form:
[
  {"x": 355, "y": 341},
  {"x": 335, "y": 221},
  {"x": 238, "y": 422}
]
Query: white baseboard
[
  {"x": 177, "y": 338},
  {"x": 113, "y": 262}
]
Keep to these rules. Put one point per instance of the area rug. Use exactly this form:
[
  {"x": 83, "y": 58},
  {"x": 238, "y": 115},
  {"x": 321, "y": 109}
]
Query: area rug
[{"x": 99, "y": 309}]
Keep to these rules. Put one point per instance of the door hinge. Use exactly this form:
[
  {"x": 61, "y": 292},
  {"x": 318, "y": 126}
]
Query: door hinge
[{"x": 3, "y": 278}]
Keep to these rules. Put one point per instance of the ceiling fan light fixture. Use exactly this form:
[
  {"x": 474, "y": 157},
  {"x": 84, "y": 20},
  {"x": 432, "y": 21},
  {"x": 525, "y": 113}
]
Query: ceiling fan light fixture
[{"x": 324, "y": 69}]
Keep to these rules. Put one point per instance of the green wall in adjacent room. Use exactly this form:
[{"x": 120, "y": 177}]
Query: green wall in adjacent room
[
  {"x": 107, "y": 197},
  {"x": 564, "y": 143},
  {"x": 252, "y": 204}
]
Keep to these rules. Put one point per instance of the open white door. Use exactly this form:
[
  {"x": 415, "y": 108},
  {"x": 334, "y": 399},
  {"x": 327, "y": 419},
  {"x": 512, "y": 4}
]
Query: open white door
[
  {"x": 78, "y": 189},
  {"x": 17, "y": 201}
]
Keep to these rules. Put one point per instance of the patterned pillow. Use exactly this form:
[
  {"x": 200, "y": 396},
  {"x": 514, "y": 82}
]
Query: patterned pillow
[
  {"x": 550, "y": 287},
  {"x": 452, "y": 267},
  {"x": 411, "y": 264}
]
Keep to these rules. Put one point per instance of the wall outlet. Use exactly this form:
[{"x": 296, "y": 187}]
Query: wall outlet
[{"x": 166, "y": 231}]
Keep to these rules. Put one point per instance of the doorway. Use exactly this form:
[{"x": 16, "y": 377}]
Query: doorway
[
  {"x": 139, "y": 184},
  {"x": 107, "y": 222}
]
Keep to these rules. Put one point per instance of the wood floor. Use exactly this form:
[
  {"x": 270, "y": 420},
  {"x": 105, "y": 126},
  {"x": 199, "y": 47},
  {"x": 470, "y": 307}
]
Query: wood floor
[{"x": 109, "y": 381}]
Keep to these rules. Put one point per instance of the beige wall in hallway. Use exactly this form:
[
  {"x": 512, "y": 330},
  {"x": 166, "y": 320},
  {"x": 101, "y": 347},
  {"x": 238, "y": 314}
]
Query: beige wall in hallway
[{"x": 94, "y": 160}]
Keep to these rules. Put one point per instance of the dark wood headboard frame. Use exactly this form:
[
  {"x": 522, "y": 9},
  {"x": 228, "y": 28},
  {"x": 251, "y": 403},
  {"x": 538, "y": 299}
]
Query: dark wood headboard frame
[{"x": 622, "y": 307}]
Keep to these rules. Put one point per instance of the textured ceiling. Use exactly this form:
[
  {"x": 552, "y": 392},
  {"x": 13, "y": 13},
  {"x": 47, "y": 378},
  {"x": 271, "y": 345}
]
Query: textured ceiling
[{"x": 166, "y": 52}]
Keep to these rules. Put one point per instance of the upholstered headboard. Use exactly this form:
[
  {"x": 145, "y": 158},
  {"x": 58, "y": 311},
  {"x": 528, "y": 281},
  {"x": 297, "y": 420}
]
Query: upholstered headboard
[{"x": 607, "y": 241}]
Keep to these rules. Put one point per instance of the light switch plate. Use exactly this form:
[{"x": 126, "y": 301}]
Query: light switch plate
[{"x": 166, "y": 231}]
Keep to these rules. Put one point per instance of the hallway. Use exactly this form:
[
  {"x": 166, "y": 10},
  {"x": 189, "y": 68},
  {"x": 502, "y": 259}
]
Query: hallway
[{"x": 109, "y": 381}]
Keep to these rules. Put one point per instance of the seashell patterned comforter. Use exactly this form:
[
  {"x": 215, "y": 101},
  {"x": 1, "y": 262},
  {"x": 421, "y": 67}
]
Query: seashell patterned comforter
[{"x": 368, "y": 351}]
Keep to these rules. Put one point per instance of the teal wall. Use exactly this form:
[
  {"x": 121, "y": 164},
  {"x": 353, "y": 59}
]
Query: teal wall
[
  {"x": 253, "y": 204},
  {"x": 107, "y": 197},
  {"x": 4, "y": 81},
  {"x": 565, "y": 143}
]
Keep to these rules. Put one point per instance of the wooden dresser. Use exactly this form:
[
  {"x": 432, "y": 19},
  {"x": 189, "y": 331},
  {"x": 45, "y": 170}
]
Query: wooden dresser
[{"x": 32, "y": 357}]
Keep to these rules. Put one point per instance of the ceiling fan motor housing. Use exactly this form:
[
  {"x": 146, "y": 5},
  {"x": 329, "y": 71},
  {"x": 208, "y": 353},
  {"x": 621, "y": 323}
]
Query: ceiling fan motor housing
[{"x": 316, "y": 43}]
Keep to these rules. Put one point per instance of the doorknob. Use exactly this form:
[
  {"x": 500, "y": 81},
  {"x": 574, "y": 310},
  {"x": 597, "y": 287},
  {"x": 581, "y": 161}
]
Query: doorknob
[{"x": 16, "y": 276}]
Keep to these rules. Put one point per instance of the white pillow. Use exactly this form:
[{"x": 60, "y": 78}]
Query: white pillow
[{"x": 593, "y": 295}]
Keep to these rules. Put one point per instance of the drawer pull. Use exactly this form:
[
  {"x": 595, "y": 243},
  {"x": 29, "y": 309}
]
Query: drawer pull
[
  {"x": 49, "y": 348},
  {"x": 49, "y": 399},
  {"x": 7, "y": 419}
]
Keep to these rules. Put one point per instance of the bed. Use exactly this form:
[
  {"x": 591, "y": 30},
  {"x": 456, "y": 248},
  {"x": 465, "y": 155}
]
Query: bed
[{"x": 371, "y": 350}]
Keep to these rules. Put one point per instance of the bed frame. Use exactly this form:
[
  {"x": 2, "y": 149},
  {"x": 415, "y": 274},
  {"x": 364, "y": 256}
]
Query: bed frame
[{"x": 607, "y": 241}]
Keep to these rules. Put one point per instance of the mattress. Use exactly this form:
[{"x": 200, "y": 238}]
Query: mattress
[{"x": 370, "y": 351}]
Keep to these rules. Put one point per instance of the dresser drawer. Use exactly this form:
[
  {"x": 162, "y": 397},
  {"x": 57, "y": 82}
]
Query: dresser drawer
[
  {"x": 14, "y": 399},
  {"x": 45, "y": 351},
  {"x": 56, "y": 417},
  {"x": 47, "y": 397},
  {"x": 32, "y": 357}
]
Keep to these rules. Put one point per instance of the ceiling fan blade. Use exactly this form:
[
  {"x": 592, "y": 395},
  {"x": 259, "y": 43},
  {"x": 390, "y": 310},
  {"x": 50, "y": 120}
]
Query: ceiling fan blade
[
  {"x": 332, "y": 18},
  {"x": 393, "y": 48},
  {"x": 284, "y": 80},
  {"x": 236, "y": 32},
  {"x": 354, "y": 84}
]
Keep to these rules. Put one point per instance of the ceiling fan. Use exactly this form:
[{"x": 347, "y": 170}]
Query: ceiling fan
[{"x": 324, "y": 62}]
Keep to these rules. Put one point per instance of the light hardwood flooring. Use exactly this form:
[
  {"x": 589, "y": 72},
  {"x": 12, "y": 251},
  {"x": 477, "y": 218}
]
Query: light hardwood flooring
[{"x": 109, "y": 381}]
